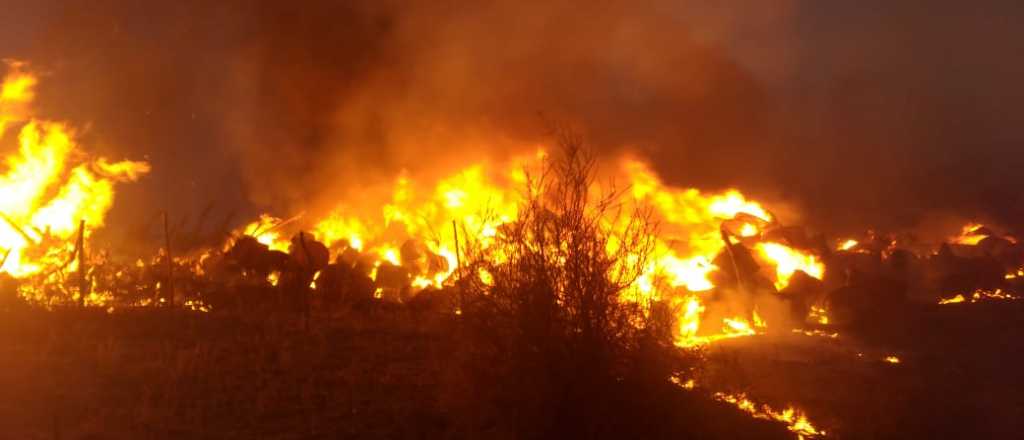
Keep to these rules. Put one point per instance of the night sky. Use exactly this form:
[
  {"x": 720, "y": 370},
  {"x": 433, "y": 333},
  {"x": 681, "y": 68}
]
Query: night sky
[{"x": 862, "y": 114}]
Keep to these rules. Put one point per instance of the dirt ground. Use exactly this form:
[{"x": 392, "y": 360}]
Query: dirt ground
[
  {"x": 959, "y": 373},
  {"x": 73, "y": 374}
]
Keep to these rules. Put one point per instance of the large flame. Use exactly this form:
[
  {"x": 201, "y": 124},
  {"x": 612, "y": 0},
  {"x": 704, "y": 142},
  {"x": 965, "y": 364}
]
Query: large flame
[
  {"x": 788, "y": 260},
  {"x": 49, "y": 185},
  {"x": 476, "y": 200}
]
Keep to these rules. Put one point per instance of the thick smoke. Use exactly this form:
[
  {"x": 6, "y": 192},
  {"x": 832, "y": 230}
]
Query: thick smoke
[{"x": 866, "y": 114}]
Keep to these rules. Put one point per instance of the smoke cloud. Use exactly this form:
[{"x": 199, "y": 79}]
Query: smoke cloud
[{"x": 866, "y": 114}]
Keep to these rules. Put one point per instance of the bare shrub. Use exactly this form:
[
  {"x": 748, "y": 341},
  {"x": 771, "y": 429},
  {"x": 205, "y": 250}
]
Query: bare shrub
[{"x": 550, "y": 331}]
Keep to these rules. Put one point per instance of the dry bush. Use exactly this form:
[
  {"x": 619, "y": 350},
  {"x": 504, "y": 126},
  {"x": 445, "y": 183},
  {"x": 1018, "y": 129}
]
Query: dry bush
[{"x": 550, "y": 343}]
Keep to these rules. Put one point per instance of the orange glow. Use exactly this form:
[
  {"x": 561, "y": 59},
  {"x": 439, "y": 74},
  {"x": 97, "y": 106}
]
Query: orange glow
[
  {"x": 970, "y": 234},
  {"x": 848, "y": 244},
  {"x": 748, "y": 230},
  {"x": 415, "y": 224},
  {"x": 796, "y": 421},
  {"x": 959, "y": 298},
  {"x": 47, "y": 186},
  {"x": 787, "y": 261},
  {"x": 819, "y": 314},
  {"x": 980, "y": 295}
]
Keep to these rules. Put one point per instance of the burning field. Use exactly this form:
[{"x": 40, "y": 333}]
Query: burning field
[{"x": 774, "y": 329}]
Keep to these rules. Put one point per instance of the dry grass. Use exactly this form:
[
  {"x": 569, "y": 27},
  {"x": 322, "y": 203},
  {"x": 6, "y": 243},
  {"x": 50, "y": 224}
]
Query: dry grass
[
  {"x": 152, "y": 374},
  {"x": 72, "y": 374}
]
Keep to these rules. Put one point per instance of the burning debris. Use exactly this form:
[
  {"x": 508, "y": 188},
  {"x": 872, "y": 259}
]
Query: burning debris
[
  {"x": 53, "y": 195},
  {"x": 722, "y": 264},
  {"x": 980, "y": 295},
  {"x": 707, "y": 245}
]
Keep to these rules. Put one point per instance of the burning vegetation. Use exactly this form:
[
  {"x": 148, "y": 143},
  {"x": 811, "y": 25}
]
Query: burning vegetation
[
  {"x": 569, "y": 283},
  {"x": 52, "y": 194}
]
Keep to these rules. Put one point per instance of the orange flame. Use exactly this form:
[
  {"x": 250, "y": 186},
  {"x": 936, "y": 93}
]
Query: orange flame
[
  {"x": 971, "y": 234},
  {"x": 48, "y": 185},
  {"x": 479, "y": 199}
]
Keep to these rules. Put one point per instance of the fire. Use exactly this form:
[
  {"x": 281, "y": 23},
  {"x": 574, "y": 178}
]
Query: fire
[
  {"x": 1015, "y": 274},
  {"x": 971, "y": 234},
  {"x": 48, "y": 186},
  {"x": 959, "y": 298},
  {"x": 820, "y": 333},
  {"x": 788, "y": 260},
  {"x": 796, "y": 421},
  {"x": 265, "y": 231},
  {"x": 420, "y": 224},
  {"x": 689, "y": 325},
  {"x": 980, "y": 295},
  {"x": 848, "y": 244},
  {"x": 819, "y": 314},
  {"x": 891, "y": 359},
  {"x": 748, "y": 230}
]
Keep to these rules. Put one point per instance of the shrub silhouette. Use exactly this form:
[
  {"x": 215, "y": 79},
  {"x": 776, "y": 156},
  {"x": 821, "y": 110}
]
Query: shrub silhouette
[{"x": 551, "y": 337}]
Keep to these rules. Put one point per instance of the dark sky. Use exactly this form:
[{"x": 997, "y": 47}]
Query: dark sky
[{"x": 863, "y": 114}]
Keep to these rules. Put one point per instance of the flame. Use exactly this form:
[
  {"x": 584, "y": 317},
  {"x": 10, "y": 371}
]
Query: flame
[
  {"x": 196, "y": 305},
  {"x": 959, "y": 298},
  {"x": 980, "y": 295},
  {"x": 788, "y": 260},
  {"x": 265, "y": 231},
  {"x": 819, "y": 314},
  {"x": 892, "y": 359},
  {"x": 748, "y": 230},
  {"x": 848, "y": 244},
  {"x": 48, "y": 186},
  {"x": 1015, "y": 274},
  {"x": 416, "y": 224},
  {"x": 689, "y": 325},
  {"x": 796, "y": 421},
  {"x": 820, "y": 333},
  {"x": 970, "y": 234}
]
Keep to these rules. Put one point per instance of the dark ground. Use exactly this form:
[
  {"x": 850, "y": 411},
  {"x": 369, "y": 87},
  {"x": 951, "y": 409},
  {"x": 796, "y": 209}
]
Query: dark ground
[
  {"x": 71, "y": 374},
  {"x": 961, "y": 373}
]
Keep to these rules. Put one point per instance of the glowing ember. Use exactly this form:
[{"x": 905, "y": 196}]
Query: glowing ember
[
  {"x": 1015, "y": 274},
  {"x": 820, "y": 333},
  {"x": 980, "y": 295},
  {"x": 892, "y": 359},
  {"x": 848, "y": 244},
  {"x": 819, "y": 314},
  {"x": 197, "y": 306},
  {"x": 954, "y": 300},
  {"x": 689, "y": 384}
]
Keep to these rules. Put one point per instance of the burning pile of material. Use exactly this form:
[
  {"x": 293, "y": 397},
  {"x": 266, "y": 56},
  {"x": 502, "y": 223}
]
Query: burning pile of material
[
  {"x": 410, "y": 243},
  {"x": 723, "y": 264},
  {"x": 52, "y": 196}
]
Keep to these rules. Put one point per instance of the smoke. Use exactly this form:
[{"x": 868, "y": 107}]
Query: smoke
[{"x": 865, "y": 114}]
